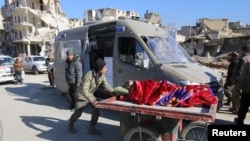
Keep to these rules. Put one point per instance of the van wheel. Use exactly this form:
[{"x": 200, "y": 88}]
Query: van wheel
[
  {"x": 34, "y": 70},
  {"x": 194, "y": 131},
  {"x": 142, "y": 134}
]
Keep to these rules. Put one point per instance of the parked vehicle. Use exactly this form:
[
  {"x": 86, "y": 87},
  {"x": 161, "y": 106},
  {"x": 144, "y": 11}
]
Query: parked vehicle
[
  {"x": 6, "y": 69},
  {"x": 133, "y": 50},
  {"x": 34, "y": 64}
]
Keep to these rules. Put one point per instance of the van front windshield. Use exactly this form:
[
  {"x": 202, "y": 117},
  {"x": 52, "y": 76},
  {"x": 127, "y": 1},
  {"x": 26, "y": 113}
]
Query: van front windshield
[{"x": 167, "y": 50}]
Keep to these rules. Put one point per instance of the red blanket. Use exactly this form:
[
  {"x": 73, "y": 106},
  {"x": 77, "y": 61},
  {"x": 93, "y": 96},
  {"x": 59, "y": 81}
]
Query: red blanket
[{"x": 152, "y": 92}]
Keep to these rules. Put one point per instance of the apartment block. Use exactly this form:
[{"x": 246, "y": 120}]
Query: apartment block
[{"x": 31, "y": 25}]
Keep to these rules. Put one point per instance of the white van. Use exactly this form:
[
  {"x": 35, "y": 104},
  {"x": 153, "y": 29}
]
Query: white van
[
  {"x": 6, "y": 69},
  {"x": 133, "y": 50}
]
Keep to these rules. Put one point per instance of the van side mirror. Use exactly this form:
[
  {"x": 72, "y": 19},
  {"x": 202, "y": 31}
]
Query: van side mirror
[{"x": 141, "y": 60}]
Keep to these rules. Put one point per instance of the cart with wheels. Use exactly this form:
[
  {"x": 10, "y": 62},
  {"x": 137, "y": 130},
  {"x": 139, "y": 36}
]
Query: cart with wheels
[{"x": 194, "y": 128}]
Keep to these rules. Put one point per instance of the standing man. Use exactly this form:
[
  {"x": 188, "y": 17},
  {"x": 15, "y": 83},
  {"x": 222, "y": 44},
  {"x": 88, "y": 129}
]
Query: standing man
[
  {"x": 47, "y": 63},
  {"x": 17, "y": 70},
  {"x": 91, "y": 81},
  {"x": 73, "y": 73},
  {"x": 233, "y": 59},
  {"x": 242, "y": 88}
]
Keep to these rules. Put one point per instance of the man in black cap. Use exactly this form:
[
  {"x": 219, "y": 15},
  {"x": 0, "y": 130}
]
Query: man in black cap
[
  {"x": 91, "y": 81},
  {"x": 73, "y": 74}
]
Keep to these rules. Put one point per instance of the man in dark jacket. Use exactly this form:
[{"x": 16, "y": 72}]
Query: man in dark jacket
[
  {"x": 73, "y": 73},
  {"x": 231, "y": 76},
  {"x": 47, "y": 62},
  {"x": 17, "y": 70},
  {"x": 242, "y": 87},
  {"x": 91, "y": 81},
  {"x": 244, "y": 58}
]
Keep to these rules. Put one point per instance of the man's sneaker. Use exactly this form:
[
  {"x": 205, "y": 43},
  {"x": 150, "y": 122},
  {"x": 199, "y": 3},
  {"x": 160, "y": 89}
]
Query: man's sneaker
[{"x": 94, "y": 131}]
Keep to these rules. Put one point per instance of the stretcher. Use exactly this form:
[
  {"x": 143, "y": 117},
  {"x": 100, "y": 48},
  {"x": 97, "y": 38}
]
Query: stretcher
[{"x": 196, "y": 128}]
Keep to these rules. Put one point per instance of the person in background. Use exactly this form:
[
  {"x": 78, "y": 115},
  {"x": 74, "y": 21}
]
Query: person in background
[
  {"x": 17, "y": 70},
  {"x": 233, "y": 59},
  {"x": 73, "y": 74},
  {"x": 91, "y": 81},
  {"x": 239, "y": 89},
  {"x": 50, "y": 69},
  {"x": 48, "y": 61},
  {"x": 242, "y": 88},
  {"x": 244, "y": 58}
]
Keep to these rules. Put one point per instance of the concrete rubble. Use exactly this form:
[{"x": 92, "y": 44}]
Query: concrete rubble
[
  {"x": 214, "y": 36},
  {"x": 211, "y": 40}
]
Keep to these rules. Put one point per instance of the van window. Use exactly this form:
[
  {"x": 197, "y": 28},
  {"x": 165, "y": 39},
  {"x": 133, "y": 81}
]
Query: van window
[
  {"x": 76, "y": 45},
  {"x": 130, "y": 50}
]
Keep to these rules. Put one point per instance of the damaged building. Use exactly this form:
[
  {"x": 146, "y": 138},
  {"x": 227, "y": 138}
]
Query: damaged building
[
  {"x": 214, "y": 37},
  {"x": 107, "y": 14},
  {"x": 1, "y": 32},
  {"x": 31, "y": 25}
]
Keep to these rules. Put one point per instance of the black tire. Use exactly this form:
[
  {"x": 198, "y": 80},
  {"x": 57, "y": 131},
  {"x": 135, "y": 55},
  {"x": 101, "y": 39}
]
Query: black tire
[
  {"x": 34, "y": 70},
  {"x": 193, "y": 132},
  {"x": 147, "y": 134}
]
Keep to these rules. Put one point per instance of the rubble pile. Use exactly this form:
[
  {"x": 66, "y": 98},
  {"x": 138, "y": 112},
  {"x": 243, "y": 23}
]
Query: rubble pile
[{"x": 212, "y": 62}]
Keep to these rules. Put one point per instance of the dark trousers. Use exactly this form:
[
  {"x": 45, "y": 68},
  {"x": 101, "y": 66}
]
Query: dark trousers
[
  {"x": 72, "y": 93},
  {"x": 50, "y": 78},
  {"x": 18, "y": 77},
  {"x": 79, "y": 109},
  {"x": 228, "y": 92},
  {"x": 244, "y": 105}
]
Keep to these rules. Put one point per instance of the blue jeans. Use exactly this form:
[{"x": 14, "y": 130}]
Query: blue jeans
[{"x": 18, "y": 77}]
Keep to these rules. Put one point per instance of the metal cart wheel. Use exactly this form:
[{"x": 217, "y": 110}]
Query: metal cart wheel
[
  {"x": 142, "y": 134},
  {"x": 195, "y": 131}
]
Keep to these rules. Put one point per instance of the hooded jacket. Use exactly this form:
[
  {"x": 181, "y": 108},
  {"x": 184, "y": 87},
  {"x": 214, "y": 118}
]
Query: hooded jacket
[
  {"x": 89, "y": 85},
  {"x": 73, "y": 72}
]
